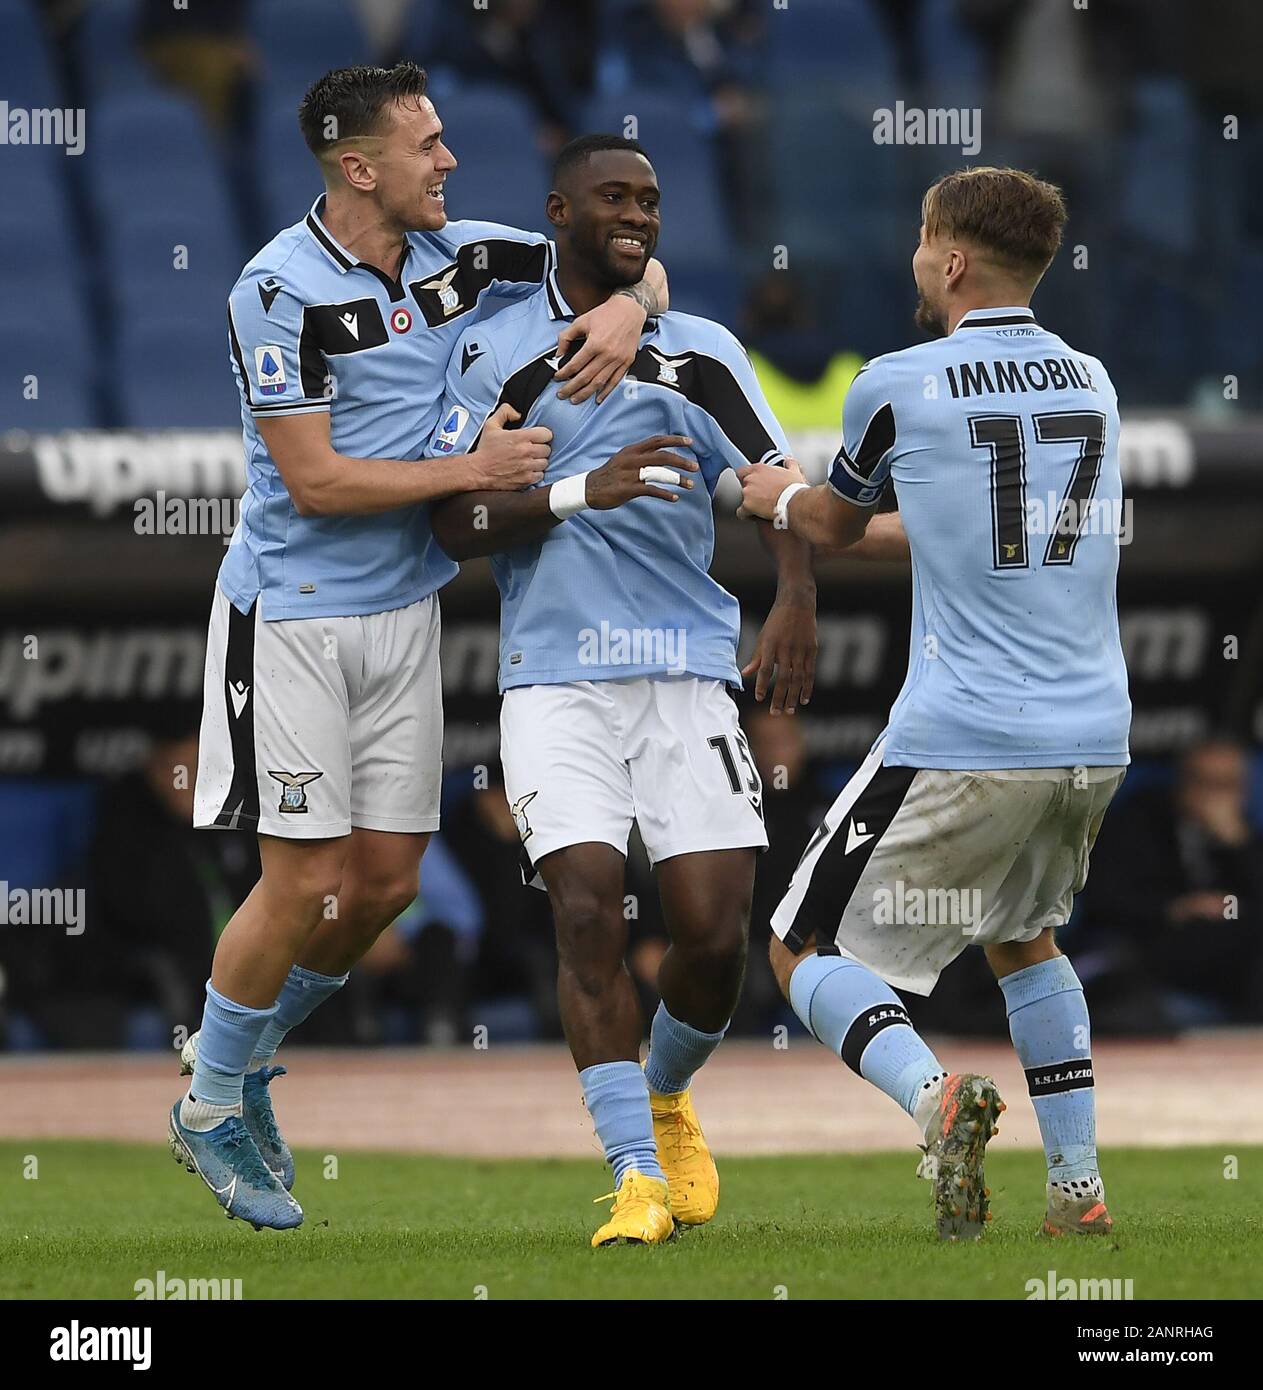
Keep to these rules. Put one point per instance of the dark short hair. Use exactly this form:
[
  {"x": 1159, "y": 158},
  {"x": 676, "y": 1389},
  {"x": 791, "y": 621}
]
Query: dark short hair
[
  {"x": 578, "y": 151},
  {"x": 354, "y": 101},
  {"x": 1015, "y": 216}
]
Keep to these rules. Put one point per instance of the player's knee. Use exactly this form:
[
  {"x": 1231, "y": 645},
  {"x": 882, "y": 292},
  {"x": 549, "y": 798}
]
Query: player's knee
[
  {"x": 382, "y": 896},
  {"x": 589, "y": 940},
  {"x": 717, "y": 950},
  {"x": 1008, "y": 957},
  {"x": 308, "y": 886}
]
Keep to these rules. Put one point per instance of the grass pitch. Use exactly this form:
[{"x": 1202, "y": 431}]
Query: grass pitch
[{"x": 101, "y": 1216}]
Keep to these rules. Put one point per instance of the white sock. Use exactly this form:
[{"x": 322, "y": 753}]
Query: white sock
[
  {"x": 201, "y": 1115},
  {"x": 927, "y": 1102},
  {"x": 1076, "y": 1188}
]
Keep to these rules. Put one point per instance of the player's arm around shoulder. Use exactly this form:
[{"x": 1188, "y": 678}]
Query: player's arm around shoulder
[{"x": 322, "y": 481}]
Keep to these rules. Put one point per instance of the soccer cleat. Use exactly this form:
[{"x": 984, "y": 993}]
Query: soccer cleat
[
  {"x": 1075, "y": 1212},
  {"x": 692, "y": 1177},
  {"x": 955, "y": 1143},
  {"x": 227, "y": 1161},
  {"x": 641, "y": 1214},
  {"x": 257, "y": 1112}
]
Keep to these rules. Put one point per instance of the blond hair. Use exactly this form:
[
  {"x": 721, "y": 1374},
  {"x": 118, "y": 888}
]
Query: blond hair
[{"x": 1010, "y": 215}]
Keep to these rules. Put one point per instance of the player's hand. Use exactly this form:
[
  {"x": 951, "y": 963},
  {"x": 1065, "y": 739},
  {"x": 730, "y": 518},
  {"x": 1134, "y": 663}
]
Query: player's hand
[
  {"x": 762, "y": 485},
  {"x": 612, "y": 338},
  {"x": 787, "y": 645},
  {"x": 619, "y": 480},
  {"x": 507, "y": 460}
]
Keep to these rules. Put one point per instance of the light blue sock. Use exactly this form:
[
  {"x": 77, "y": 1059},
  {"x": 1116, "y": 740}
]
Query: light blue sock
[
  {"x": 617, "y": 1097},
  {"x": 1048, "y": 1022},
  {"x": 301, "y": 995},
  {"x": 858, "y": 1016},
  {"x": 229, "y": 1035},
  {"x": 676, "y": 1051}
]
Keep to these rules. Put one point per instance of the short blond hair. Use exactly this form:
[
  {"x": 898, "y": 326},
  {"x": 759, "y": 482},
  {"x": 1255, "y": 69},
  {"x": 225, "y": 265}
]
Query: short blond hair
[{"x": 1011, "y": 215}]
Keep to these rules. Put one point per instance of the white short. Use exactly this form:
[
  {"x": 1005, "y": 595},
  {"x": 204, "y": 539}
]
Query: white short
[
  {"x": 313, "y": 725},
  {"x": 583, "y": 760},
  {"x": 911, "y": 866}
]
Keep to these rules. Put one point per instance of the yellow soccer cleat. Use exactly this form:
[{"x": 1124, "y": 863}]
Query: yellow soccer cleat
[
  {"x": 641, "y": 1214},
  {"x": 691, "y": 1173}
]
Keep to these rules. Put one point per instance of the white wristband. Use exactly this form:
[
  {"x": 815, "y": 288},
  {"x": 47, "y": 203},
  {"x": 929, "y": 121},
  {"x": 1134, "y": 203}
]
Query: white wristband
[
  {"x": 568, "y": 496},
  {"x": 780, "y": 518}
]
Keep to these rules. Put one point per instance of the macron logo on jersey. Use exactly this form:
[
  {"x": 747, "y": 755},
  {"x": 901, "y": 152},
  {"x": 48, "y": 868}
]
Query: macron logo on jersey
[
  {"x": 269, "y": 370},
  {"x": 450, "y": 430}
]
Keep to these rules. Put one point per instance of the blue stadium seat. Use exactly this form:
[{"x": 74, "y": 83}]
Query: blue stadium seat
[
  {"x": 826, "y": 159},
  {"x": 104, "y": 44},
  {"x": 289, "y": 181},
  {"x": 711, "y": 293},
  {"x": 45, "y": 825},
  {"x": 1157, "y": 201},
  {"x": 502, "y": 176},
  {"x": 140, "y": 257},
  {"x": 843, "y": 38},
  {"x": 150, "y": 146},
  {"x": 27, "y": 75},
  {"x": 300, "y": 39},
  {"x": 170, "y": 373},
  {"x": 49, "y": 344},
  {"x": 953, "y": 58}
]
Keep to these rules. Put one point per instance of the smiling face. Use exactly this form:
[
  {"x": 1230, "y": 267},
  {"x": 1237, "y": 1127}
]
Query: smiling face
[
  {"x": 404, "y": 166},
  {"x": 607, "y": 213}
]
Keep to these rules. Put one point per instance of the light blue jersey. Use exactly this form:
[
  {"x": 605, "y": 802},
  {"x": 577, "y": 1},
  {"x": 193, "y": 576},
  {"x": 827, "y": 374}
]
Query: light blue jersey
[
  {"x": 1002, "y": 442},
  {"x": 625, "y": 592},
  {"x": 312, "y": 329}
]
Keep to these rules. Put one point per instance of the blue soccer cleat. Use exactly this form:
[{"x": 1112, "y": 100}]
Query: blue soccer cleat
[
  {"x": 228, "y": 1162},
  {"x": 257, "y": 1112},
  {"x": 256, "y": 1107}
]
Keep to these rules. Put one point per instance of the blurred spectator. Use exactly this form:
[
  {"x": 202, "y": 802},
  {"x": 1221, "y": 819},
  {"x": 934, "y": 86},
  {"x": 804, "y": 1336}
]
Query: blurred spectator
[
  {"x": 411, "y": 986},
  {"x": 516, "y": 958},
  {"x": 204, "y": 49},
  {"x": 690, "y": 47},
  {"x": 703, "y": 54},
  {"x": 542, "y": 51},
  {"x": 803, "y": 376},
  {"x": 793, "y": 805},
  {"x": 1175, "y": 901},
  {"x": 157, "y": 895}
]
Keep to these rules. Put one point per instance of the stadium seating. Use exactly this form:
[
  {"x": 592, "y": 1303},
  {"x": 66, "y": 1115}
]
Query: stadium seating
[
  {"x": 510, "y": 188},
  {"x": 842, "y": 39},
  {"x": 27, "y": 75},
  {"x": 104, "y": 48},
  {"x": 174, "y": 373},
  {"x": 297, "y": 40},
  {"x": 97, "y": 232}
]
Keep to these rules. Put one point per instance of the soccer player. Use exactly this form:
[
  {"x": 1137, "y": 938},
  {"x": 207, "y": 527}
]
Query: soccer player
[
  {"x": 617, "y": 649},
  {"x": 981, "y": 800},
  {"x": 322, "y": 726}
]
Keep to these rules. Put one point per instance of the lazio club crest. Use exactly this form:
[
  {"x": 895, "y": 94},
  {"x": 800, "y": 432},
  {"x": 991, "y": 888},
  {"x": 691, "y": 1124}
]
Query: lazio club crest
[{"x": 294, "y": 791}]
